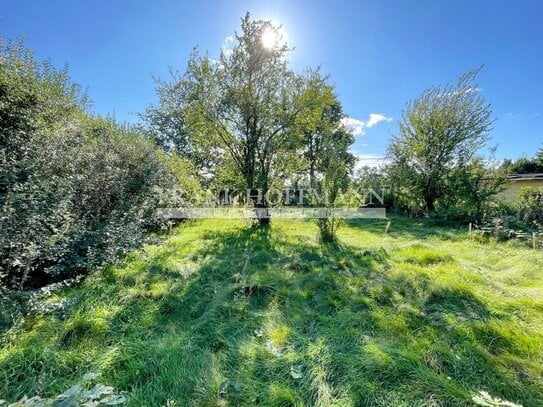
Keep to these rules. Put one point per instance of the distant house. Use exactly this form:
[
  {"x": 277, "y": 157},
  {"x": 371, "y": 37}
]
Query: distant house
[{"x": 518, "y": 181}]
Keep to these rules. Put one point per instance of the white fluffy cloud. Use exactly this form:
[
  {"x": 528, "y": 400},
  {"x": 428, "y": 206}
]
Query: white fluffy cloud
[
  {"x": 357, "y": 127},
  {"x": 369, "y": 160},
  {"x": 376, "y": 118},
  {"x": 353, "y": 126}
]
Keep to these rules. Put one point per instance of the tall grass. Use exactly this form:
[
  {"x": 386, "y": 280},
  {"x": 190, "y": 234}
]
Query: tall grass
[{"x": 221, "y": 314}]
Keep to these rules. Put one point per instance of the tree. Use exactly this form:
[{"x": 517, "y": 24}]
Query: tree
[
  {"x": 317, "y": 133},
  {"x": 326, "y": 157},
  {"x": 367, "y": 180},
  {"x": 248, "y": 104},
  {"x": 334, "y": 165},
  {"x": 164, "y": 122},
  {"x": 530, "y": 207},
  {"x": 440, "y": 132}
]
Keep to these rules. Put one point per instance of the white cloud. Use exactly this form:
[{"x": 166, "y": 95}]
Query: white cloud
[
  {"x": 376, "y": 118},
  {"x": 357, "y": 127},
  {"x": 353, "y": 126},
  {"x": 369, "y": 160},
  {"x": 514, "y": 115}
]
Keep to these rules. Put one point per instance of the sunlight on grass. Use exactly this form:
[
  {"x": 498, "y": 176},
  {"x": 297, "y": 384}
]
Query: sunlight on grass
[{"x": 222, "y": 314}]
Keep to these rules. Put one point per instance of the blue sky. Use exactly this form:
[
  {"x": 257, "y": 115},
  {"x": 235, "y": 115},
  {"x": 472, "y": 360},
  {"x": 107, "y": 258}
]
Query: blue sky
[{"x": 379, "y": 53}]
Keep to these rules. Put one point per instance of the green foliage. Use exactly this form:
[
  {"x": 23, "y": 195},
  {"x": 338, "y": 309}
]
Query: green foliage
[
  {"x": 440, "y": 134},
  {"x": 164, "y": 122},
  {"x": 76, "y": 190},
  {"x": 33, "y": 96},
  {"x": 328, "y": 227},
  {"x": 75, "y": 396},
  {"x": 324, "y": 140},
  {"x": 471, "y": 191},
  {"x": 329, "y": 162},
  {"x": 242, "y": 117},
  {"x": 335, "y": 178},
  {"x": 222, "y": 314},
  {"x": 529, "y": 207},
  {"x": 524, "y": 166},
  {"x": 367, "y": 179}
]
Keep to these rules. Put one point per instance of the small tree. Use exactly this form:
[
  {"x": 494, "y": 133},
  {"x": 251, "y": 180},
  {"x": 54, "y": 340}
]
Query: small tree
[
  {"x": 324, "y": 160},
  {"x": 316, "y": 138},
  {"x": 332, "y": 169},
  {"x": 335, "y": 179},
  {"x": 440, "y": 132}
]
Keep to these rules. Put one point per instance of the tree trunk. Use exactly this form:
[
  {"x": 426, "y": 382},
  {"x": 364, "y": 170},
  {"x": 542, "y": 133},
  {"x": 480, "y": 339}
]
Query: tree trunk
[
  {"x": 264, "y": 221},
  {"x": 265, "y": 218},
  {"x": 430, "y": 205},
  {"x": 261, "y": 207}
]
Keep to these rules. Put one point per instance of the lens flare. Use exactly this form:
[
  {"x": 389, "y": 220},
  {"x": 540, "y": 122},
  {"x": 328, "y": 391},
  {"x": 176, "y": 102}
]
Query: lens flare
[{"x": 270, "y": 39}]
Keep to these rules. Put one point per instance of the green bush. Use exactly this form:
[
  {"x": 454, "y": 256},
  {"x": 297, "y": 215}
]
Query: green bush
[
  {"x": 75, "y": 190},
  {"x": 530, "y": 206},
  {"x": 469, "y": 194}
]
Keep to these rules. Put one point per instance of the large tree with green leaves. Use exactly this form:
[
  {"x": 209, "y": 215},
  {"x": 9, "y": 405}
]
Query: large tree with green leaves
[
  {"x": 247, "y": 105},
  {"x": 440, "y": 132}
]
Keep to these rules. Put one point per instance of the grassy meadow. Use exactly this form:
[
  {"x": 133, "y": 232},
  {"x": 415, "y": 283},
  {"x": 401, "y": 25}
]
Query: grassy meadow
[{"x": 220, "y": 314}]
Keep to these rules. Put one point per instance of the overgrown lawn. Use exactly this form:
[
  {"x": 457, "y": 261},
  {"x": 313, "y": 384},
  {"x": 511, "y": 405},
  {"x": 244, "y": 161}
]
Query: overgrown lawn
[{"x": 224, "y": 314}]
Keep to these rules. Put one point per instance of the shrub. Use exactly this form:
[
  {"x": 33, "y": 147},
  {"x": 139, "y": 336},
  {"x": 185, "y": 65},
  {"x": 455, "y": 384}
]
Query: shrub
[
  {"x": 470, "y": 194},
  {"x": 530, "y": 206},
  {"x": 75, "y": 190}
]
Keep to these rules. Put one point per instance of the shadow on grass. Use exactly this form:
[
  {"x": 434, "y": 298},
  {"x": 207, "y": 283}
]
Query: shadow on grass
[{"x": 267, "y": 320}]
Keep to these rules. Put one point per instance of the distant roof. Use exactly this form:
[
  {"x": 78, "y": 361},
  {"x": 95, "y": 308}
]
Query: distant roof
[{"x": 525, "y": 177}]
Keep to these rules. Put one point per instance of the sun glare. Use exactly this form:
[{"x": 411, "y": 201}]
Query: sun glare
[
  {"x": 274, "y": 36},
  {"x": 270, "y": 38}
]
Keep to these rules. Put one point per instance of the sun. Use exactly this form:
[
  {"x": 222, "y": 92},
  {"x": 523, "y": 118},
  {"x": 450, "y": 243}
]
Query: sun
[
  {"x": 274, "y": 36},
  {"x": 270, "y": 38}
]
